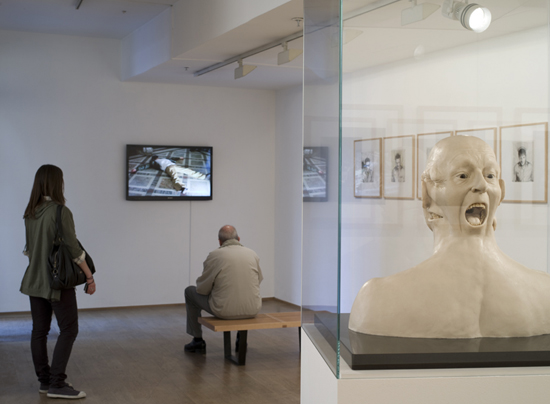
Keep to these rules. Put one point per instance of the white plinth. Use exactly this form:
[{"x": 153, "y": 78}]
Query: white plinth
[{"x": 319, "y": 385}]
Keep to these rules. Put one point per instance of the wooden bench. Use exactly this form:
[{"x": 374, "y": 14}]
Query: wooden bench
[{"x": 262, "y": 321}]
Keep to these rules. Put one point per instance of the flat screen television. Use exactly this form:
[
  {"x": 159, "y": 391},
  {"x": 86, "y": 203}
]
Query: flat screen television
[
  {"x": 179, "y": 173},
  {"x": 314, "y": 174}
]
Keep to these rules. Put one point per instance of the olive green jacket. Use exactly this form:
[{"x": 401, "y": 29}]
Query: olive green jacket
[
  {"x": 40, "y": 233},
  {"x": 231, "y": 277}
]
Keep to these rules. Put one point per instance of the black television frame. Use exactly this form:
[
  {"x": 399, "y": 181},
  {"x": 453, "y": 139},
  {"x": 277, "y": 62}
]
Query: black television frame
[{"x": 132, "y": 148}]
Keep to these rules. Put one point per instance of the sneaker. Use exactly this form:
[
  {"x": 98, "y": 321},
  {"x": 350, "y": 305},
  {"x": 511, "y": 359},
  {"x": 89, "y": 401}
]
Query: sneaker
[
  {"x": 45, "y": 387},
  {"x": 196, "y": 346},
  {"x": 66, "y": 392}
]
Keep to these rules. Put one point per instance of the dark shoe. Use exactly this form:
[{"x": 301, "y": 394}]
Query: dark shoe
[
  {"x": 66, "y": 392},
  {"x": 196, "y": 346},
  {"x": 45, "y": 387}
]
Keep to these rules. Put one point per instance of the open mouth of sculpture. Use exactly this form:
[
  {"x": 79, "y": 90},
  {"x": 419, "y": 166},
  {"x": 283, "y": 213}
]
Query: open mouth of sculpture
[
  {"x": 476, "y": 214},
  {"x": 435, "y": 216}
]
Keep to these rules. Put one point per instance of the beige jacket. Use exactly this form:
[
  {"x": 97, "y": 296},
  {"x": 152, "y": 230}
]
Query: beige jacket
[{"x": 232, "y": 276}]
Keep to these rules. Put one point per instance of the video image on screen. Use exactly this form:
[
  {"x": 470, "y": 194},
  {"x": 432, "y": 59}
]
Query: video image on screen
[
  {"x": 168, "y": 172},
  {"x": 315, "y": 165}
]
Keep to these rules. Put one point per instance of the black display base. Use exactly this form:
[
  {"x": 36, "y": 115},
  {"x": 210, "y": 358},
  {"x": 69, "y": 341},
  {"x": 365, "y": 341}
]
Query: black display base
[{"x": 363, "y": 351}]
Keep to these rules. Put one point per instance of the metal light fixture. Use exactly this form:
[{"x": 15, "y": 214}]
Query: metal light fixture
[
  {"x": 288, "y": 54},
  {"x": 243, "y": 70},
  {"x": 417, "y": 12},
  {"x": 472, "y": 16}
]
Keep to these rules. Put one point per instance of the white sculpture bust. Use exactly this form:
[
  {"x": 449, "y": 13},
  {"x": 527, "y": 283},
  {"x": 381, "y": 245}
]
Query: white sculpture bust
[{"x": 468, "y": 288}]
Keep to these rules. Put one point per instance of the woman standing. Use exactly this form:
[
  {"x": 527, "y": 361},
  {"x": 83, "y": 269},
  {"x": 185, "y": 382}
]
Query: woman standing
[{"x": 40, "y": 219}]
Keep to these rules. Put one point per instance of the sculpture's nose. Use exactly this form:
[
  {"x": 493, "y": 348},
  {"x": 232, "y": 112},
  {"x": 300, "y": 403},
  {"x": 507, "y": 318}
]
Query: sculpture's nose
[{"x": 479, "y": 184}]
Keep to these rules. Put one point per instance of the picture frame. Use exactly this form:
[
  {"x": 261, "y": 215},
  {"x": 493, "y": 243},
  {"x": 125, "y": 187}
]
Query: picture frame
[
  {"x": 424, "y": 144},
  {"x": 314, "y": 174},
  {"x": 367, "y": 163},
  {"x": 399, "y": 167},
  {"x": 489, "y": 135},
  {"x": 523, "y": 152}
]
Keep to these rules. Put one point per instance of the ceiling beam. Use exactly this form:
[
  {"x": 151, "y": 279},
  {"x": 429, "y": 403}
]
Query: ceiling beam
[{"x": 363, "y": 10}]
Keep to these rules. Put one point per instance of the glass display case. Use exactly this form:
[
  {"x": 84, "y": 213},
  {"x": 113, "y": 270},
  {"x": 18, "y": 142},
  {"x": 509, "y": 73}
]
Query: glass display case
[{"x": 384, "y": 81}]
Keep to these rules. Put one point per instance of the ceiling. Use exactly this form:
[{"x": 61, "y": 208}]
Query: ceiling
[
  {"x": 385, "y": 40},
  {"x": 94, "y": 18},
  {"x": 380, "y": 34},
  {"x": 118, "y": 18}
]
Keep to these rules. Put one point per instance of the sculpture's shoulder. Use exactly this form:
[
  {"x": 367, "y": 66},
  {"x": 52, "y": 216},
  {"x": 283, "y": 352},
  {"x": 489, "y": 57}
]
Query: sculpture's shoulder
[
  {"x": 424, "y": 301},
  {"x": 517, "y": 301},
  {"x": 456, "y": 299}
]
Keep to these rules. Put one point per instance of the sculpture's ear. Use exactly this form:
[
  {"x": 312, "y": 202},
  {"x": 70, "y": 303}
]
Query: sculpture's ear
[{"x": 502, "y": 190}]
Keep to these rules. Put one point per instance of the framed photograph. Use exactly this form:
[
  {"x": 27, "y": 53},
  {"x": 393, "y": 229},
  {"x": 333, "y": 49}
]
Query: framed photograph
[
  {"x": 314, "y": 174},
  {"x": 368, "y": 168},
  {"x": 424, "y": 145},
  {"x": 524, "y": 162},
  {"x": 398, "y": 162},
  {"x": 488, "y": 135}
]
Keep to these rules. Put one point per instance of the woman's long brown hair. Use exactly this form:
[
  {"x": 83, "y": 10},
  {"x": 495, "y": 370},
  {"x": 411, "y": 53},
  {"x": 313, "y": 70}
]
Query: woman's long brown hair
[{"x": 48, "y": 181}]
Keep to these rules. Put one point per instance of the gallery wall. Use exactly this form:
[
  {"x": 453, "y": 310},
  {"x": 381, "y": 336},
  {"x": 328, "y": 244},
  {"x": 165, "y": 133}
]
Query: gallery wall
[
  {"x": 288, "y": 195},
  {"x": 62, "y": 103}
]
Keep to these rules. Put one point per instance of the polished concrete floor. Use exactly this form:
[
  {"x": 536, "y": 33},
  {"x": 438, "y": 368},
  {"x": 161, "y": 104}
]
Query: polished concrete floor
[{"x": 135, "y": 355}]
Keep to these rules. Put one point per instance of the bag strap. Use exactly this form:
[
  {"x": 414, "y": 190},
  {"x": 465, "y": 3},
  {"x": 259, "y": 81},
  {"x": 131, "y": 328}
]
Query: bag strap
[{"x": 58, "y": 225}]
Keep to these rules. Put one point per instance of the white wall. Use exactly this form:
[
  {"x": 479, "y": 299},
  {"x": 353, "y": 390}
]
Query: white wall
[
  {"x": 288, "y": 195},
  {"x": 501, "y": 81},
  {"x": 62, "y": 102}
]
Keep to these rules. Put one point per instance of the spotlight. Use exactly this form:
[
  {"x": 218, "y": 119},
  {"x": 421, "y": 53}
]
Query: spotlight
[
  {"x": 243, "y": 70},
  {"x": 472, "y": 16},
  {"x": 288, "y": 54},
  {"x": 417, "y": 12}
]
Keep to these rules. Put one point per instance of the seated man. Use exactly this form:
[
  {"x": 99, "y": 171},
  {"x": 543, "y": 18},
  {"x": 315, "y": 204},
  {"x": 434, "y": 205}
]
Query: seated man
[{"x": 228, "y": 288}]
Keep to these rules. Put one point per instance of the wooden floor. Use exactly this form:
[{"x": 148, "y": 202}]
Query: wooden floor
[{"x": 135, "y": 355}]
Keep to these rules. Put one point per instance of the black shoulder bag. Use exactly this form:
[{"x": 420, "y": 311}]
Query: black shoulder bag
[{"x": 64, "y": 272}]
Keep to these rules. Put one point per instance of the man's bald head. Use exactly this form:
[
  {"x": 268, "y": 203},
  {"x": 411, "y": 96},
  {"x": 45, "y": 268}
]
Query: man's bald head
[{"x": 228, "y": 232}]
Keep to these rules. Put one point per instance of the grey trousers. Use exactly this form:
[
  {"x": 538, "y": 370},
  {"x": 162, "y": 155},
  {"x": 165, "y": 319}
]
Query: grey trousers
[{"x": 194, "y": 303}]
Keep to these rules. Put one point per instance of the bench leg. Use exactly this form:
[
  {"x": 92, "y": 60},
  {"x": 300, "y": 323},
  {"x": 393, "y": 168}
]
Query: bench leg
[
  {"x": 227, "y": 344},
  {"x": 242, "y": 347},
  {"x": 241, "y": 359}
]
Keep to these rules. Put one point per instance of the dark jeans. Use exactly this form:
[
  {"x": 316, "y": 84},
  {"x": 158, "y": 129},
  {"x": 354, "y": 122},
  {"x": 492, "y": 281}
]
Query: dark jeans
[
  {"x": 66, "y": 313},
  {"x": 194, "y": 303}
]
